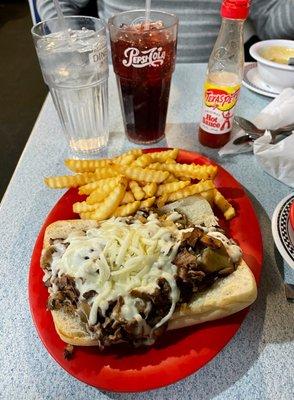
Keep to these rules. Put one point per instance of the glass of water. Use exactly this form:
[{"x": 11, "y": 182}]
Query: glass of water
[{"x": 74, "y": 61}]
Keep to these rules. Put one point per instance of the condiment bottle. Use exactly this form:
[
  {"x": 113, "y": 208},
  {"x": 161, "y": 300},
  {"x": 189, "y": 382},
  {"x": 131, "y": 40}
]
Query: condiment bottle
[{"x": 224, "y": 76}]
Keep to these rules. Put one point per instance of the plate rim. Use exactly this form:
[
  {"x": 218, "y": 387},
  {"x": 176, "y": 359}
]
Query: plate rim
[
  {"x": 276, "y": 231},
  {"x": 191, "y": 370},
  {"x": 246, "y": 82}
]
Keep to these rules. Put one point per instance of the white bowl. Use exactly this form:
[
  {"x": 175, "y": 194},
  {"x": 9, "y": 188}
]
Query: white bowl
[{"x": 279, "y": 76}]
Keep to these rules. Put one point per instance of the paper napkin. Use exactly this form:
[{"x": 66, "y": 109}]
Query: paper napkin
[{"x": 276, "y": 159}]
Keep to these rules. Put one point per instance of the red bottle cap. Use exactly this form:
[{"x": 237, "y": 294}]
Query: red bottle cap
[{"x": 235, "y": 9}]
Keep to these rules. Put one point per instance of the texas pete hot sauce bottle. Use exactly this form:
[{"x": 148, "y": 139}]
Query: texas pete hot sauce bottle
[{"x": 224, "y": 76}]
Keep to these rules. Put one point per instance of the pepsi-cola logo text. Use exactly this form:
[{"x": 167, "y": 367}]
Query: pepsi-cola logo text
[{"x": 139, "y": 59}]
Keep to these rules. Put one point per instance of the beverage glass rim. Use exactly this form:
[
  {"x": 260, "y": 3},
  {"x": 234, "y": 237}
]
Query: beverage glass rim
[
  {"x": 175, "y": 22},
  {"x": 67, "y": 17}
]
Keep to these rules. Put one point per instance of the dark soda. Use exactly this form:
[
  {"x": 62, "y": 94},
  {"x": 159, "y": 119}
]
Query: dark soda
[{"x": 143, "y": 60}]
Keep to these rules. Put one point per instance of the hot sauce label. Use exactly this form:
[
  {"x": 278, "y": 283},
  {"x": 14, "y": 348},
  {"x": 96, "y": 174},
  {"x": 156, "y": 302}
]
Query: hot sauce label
[{"x": 218, "y": 108}]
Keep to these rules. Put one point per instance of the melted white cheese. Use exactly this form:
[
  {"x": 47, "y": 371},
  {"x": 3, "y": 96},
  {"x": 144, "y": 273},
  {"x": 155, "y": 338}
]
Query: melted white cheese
[{"x": 119, "y": 257}]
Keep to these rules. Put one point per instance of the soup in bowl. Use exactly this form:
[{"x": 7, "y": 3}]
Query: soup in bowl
[{"x": 272, "y": 58}]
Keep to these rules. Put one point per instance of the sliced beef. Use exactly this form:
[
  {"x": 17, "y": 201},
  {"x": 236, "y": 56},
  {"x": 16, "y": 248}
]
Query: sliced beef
[
  {"x": 182, "y": 222},
  {"x": 113, "y": 328},
  {"x": 65, "y": 282},
  {"x": 46, "y": 258},
  {"x": 67, "y": 285},
  {"x": 158, "y": 297},
  {"x": 188, "y": 269},
  {"x": 161, "y": 302},
  {"x": 191, "y": 238},
  {"x": 88, "y": 295},
  {"x": 201, "y": 260},
  {"x": 56, "y": 240},
  {"x": 141, "y": 295},
  {"x": 211, "y": 242},
  {"x": 67, "y": 295},
  {"x": 56, "y": 301},
  {"x": 186, "y": 290},
  {"x": 68, "y": 352},
  {"x": 184, "y": 258},
  {"x": 189, "y": 277}
]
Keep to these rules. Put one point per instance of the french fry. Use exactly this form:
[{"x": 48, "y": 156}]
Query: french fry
[
  {"x": 143, "y": 161},
  {"x": 184, "y": 178},
  {"x": 102, "y": 184},
  {"x": 156, "y": 166},
  {"x": 172, "y": 178},
  {"x": 127, "y": 209},
  {"x": 190, "y": 190},
  {"x": 137, "y": 191},
  {"x": 142, "y": 183},
  {"x": 150, "y": 189},
  {"x": 162, "y": 156},
  {"x": 208, "y": 195},
  {"x": 226, "y": 208},
  {"x": 160, "y": 201},
  {"x": 153, "y": 178},
  {"x": 193, "y": 171},
  {"x": 128, "y": 198},
  {"x": 110, "y": 203},
  {"x": 86, "y": 215},
  {"x": 230, "y": 213},
  {"x": 140, "y": 174},
  {"x": 147, "y": 203},
  {"x": 86, "y": 165},
  {"x": 83, "y": 207},
  {"x": 98, "y": 195},
  {"x": 170, "y": 161},
  {"x": 107, "y": 172},
  {"x": 67, "y": 181},
  {"x": 125, "y": 158},
  {"x": 166, "y": 188}
]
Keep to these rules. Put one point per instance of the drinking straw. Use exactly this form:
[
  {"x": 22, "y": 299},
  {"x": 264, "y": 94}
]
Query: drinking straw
[
  {"x": 147, "y": 12},
  {"x": 60, "y": 15}
]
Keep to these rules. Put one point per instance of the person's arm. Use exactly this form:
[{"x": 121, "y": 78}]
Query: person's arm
[
  {"x": 47, "y": 10},
  {"x": 273, "y": 19}
]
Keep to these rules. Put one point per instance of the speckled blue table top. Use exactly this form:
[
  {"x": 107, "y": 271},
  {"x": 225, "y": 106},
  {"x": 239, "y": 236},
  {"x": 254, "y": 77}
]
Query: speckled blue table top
[{"x": 258, "y": 363}]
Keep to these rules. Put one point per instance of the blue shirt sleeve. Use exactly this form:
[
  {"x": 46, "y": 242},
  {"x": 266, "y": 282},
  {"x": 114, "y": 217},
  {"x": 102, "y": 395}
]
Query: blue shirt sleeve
[{"x": 273, "y": 19}]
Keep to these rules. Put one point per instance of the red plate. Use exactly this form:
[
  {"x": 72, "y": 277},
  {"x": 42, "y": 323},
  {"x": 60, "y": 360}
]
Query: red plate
[{"x": 177, "y": 354}]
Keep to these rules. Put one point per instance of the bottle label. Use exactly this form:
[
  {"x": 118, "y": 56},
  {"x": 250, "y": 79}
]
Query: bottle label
[{"x": 219, "y": 107}]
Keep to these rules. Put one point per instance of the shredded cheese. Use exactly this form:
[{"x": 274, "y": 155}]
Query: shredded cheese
[{"x": 119, "y": 257}]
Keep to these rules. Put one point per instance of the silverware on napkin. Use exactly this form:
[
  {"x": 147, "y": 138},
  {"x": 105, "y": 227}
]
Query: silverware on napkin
[{"x": 252, "y": 132}]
